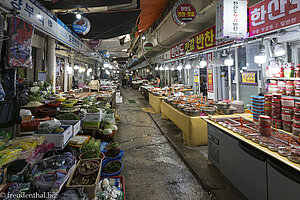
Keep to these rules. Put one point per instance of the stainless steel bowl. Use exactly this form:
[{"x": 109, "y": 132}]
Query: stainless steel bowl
[{"x": 223, "y": 106}]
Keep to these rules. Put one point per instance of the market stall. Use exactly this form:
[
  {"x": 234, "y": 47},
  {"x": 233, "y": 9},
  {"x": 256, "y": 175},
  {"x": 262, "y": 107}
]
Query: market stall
[
  {"x": 155, "y": 102},
  {"x": 193, "y": 128},
  {"x": 235, "y": 143}
]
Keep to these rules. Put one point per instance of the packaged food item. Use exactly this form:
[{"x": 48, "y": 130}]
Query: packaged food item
[
  {"x": 273, "y": 81},
  {"x": 275, "y": 106},
  {"x": 297, "y": 113},
  {"x": 297, "y": 105},
  {"x": 276, "y": 101},
  {"x": 265, "y": 131},
  {"x": 297, "y": 71},
  {"x": 290, "y": 92},
  {"x": 287, "y": 102},
  {"x": 289, "y": 82},
  {"x": 297, "y": 93},
  {"x": 290, "y": 86},
  {"x": 268, "y": 97},
  {"x": 276, "y": 96},
  {"x": 276, "y": 111},
  {"x": 289, "y": 110},
  {"x": 296, "y": 129},
  {"x": 286, "y": 117},
  {"x": 264, "y": 121},
  {"x": 278, "y": 122},
  {"x": 268, "y": 108},
  {"x": 281, "y": 90},
  {"x": 296, "y": 121},
  {"x": 287, "y": 126},
  {"x": 297, "y": 87},
  {"x": 289, "y": 72},
  {"x": 281, "y": 84}
]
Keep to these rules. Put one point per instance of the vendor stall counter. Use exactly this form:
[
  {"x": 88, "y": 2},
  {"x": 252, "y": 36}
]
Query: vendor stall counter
[
  {"x": 155, "y": 102},
  {"x": 194, "y": 128},
  {"x": 255, "y": 170}
]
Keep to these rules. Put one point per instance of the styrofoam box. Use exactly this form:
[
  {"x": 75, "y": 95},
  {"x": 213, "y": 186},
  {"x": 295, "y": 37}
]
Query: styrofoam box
[
  {"x": 59, "y": 139},
  {"x": 76, "y": 125},
  {"x": 94, "y": 115}
]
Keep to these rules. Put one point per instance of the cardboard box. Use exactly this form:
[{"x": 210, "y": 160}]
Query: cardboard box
[{"x": 91, "y": 190}]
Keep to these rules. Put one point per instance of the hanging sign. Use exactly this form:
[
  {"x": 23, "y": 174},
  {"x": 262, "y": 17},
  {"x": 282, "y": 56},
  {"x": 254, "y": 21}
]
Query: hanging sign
[
  {"x": 210, "y": 80},
  {"x": 235, "y": 18},
  {"x": 82, "y": 26},
  {"x": 148, "y": 46},
  {"x": 42, "y": 75},
  {"x": 249, "y": 78},
  {"x": 196, "y": 78},
  {"x": 270, "y": 15},
  {"x": 183, "y": 12}
]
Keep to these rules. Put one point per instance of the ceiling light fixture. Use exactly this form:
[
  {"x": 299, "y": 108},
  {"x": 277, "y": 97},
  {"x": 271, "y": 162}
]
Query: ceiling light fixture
[
  {"x": 261, "y": 57},
  {"x": 166, "y": 67},
  {"x": 161, "y": 68},
  {"x": 228, "y": 60},
  {"x": 78, "y": 16},
  {"x": 188, "y": 65},
  {"x": 143, "y": 37},
  {"x": 179, "y": 67},
  {"x": 203, "y": 63},
  {"x": 279, "y": 50}
]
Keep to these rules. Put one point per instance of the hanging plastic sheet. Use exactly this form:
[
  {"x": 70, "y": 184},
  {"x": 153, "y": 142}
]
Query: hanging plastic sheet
[{"x": 19, "y": 43}]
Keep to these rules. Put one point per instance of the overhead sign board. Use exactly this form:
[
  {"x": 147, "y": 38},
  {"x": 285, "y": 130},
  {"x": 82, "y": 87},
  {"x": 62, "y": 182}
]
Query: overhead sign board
[
  {"x": 36, "y": 14},
  {"x": 235, "y": 18},
  {"x": 270, "y": 15},
  {"x": 148, "y": 46},
  {"x": 183, "y": 12},
  {"x": 202, "y": 41}
]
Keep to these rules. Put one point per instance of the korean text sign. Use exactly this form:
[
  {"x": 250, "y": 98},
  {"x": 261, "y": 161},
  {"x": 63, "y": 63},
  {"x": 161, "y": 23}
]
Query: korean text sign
[
  {"x": 270, "y": 15},
  {"x": 204, "y": 40},
  {"x": 235, "y": 18},
  {"x": 249, "y": 78},
  {"x": 210, "y": 73}
]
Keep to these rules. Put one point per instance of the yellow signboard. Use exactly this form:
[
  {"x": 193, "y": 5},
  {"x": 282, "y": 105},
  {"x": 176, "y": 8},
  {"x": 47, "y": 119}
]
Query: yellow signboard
[
  {"x": 196, "y": 78},
  {"x": 249, "y": 78}
]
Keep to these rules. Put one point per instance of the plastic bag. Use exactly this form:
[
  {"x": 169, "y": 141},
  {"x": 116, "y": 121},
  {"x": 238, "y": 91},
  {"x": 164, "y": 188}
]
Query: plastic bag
[
  {"x": 25, "y": 113},
  {"x": 48, "y": 126}
]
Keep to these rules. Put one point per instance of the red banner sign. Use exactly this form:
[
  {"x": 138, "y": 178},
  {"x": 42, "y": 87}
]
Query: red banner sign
[
  {"x": 270, "y": 15},
  {"x": 202, "y": 41}
]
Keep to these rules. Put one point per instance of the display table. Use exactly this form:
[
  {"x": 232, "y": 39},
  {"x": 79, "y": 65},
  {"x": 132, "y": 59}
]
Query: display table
[
  {"x": 155, "y": 102},
  {"x": 145, "y": 92},
  {"x": 194, "y": 128},
  {"x": 251, "y": 167}
]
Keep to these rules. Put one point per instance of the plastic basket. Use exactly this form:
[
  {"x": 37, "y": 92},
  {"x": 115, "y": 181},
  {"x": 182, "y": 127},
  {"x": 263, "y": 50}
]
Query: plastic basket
[
  {"x": 118, "y": 157},
  {"x": 106, "y": 162}
]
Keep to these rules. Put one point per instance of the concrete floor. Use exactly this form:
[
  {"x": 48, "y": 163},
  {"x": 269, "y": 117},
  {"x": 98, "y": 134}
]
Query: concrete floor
[{"x": 157, "y": 163}]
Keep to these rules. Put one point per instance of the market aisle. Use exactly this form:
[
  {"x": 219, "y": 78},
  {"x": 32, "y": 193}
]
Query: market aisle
[{"x": 152, "y": 169}]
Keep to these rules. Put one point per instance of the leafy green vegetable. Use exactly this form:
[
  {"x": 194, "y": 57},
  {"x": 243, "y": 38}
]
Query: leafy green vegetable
[
  {"x": 68, "y": 116},
  {"x": 91, "y": 149}
]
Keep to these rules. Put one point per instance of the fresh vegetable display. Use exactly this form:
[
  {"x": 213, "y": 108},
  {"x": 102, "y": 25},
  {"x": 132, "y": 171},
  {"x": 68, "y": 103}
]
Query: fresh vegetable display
[
  {"x": 59, "y": 130},
  {"x": 35, "y": 97},
  {"x": 68, "y": 116},
  {"x": 91, "y": 149}
]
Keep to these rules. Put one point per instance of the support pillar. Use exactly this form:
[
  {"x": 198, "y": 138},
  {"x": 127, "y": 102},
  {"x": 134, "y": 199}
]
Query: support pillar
[{"x": 51, "y": 63}]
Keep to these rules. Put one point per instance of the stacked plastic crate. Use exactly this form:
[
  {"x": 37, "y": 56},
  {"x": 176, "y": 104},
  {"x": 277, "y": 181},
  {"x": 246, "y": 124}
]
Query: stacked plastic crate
[{"x": 257, "y": 106}]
